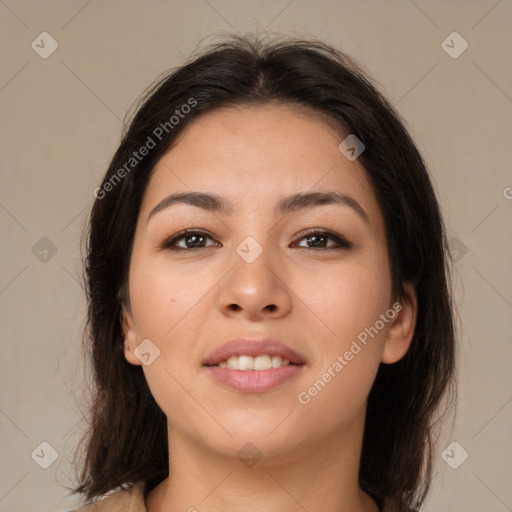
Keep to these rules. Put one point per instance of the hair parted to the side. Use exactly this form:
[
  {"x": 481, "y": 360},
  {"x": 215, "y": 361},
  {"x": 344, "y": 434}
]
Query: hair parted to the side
[{"x": 127, "y": 438}]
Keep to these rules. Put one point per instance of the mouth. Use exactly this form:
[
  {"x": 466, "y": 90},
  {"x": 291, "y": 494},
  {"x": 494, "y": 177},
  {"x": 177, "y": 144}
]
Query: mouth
[
  {"x": 253, "y": 365},
  {"x": 259, "y": 363},
  {"x": 253, "y": 354}
]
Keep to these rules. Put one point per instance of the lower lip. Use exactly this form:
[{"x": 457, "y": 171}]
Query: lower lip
[{"x": 254, "y": 381}]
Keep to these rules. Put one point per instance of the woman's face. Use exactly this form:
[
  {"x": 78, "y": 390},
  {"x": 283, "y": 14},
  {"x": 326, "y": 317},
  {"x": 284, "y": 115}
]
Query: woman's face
[{"x": 256, "y": 271}]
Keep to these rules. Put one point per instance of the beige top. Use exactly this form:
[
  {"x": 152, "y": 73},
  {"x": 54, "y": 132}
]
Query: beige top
[{"x": 131, "y": 500}]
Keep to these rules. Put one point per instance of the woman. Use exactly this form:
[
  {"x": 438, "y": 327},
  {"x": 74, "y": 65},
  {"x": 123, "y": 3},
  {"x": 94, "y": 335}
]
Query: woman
[{"x": 270, "y": 314}]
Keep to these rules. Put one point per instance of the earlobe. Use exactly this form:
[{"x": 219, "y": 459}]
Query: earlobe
[
  {"x": 401, "y": 331},
  {"x": 129, "y": 336}
]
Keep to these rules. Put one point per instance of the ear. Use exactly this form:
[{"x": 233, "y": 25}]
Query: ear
[
  {"x": 401, "y": 330},
  {"x": 129, "y": 335}
]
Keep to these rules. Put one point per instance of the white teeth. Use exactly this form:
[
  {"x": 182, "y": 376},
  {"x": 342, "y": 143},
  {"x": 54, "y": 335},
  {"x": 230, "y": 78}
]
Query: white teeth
[
  {"x": 262, "y": 362},
  {"x": 245, "y": 363},
  {"x": 276, "y": 361},
  {"x": 233, "y": 362}
]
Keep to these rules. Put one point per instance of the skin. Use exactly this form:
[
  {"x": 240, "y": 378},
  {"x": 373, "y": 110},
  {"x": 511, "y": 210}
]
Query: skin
[{"x": 189, "y": 303}]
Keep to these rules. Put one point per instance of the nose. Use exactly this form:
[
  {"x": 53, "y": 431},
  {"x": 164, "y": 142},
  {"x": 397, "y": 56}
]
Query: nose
[{"x": 256, "y": 290}]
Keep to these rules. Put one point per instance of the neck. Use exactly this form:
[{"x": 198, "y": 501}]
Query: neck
[{"x": 315, "y": 476}]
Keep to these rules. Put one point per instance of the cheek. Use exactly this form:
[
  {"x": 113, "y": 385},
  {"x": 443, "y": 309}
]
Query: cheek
[
  {"x": 151, "y": 303},
  {"x": 343, "y": 372},
  {"x": 347, "y": 303},
  {"x": 167, "y": 307},
  {"x": 347, "y": 299},
  {"x": 163, "y": 297}
]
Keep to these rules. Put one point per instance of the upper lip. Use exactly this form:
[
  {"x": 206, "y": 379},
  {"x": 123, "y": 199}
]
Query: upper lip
[{"x": 253, "y": 347}]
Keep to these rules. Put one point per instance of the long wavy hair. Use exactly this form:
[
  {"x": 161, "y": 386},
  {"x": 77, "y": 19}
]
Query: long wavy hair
[{"x": 126, "y": 440}]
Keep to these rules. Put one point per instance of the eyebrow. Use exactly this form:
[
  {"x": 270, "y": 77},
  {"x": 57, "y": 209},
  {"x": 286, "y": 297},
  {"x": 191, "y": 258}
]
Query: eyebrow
[{"x": 299, "y": 201}]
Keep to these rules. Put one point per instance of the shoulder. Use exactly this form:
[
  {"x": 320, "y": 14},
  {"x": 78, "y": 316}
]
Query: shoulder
[{"x": 124, "y": 500}]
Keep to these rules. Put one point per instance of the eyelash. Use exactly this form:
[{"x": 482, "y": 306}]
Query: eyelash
[{"x": 169, "y": 243}]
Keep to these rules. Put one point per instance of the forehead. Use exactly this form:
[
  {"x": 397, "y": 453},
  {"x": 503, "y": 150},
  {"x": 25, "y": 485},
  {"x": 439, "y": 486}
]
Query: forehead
[{"x": 256, "y": 155}]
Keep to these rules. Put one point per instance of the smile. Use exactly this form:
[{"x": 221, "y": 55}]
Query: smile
[{"x": 258, "y": 363}]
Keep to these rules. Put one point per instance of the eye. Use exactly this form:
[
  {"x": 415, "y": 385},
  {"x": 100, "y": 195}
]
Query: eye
[
  {"x": 193, "y": 239},
  {"x": 319, "y": 239}
]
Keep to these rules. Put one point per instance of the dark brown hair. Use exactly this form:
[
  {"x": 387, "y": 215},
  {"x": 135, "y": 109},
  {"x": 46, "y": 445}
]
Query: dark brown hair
[{"x": 127, "y": 439}]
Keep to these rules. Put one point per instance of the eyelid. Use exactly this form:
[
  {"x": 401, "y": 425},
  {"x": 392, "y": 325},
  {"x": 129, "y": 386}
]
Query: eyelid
[
  {"x": 341, "y": 241},
  {"x": 168, "y": 242}
]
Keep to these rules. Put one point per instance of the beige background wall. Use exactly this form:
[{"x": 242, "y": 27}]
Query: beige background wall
[{"x": 61, "y": 122}]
